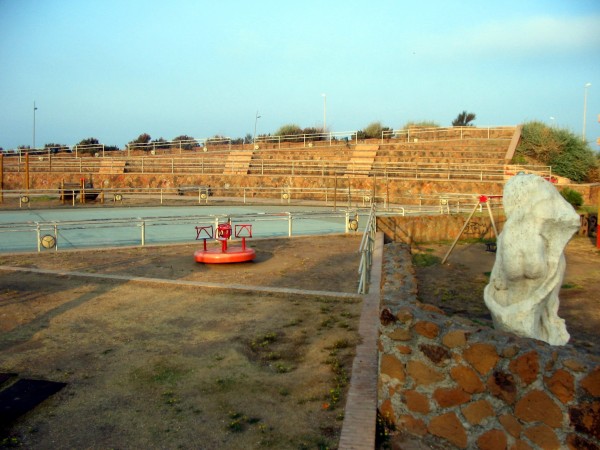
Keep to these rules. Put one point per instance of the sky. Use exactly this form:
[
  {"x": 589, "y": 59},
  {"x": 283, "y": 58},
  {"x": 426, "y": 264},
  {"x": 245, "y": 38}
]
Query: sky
[{"x": 114, "y": 69}]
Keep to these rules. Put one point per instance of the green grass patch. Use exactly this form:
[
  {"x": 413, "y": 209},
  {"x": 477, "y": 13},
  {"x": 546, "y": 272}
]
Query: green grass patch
[{"x": 425, "y": 260}]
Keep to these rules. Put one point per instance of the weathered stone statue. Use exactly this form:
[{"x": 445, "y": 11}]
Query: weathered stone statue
[{"x": 522, "y": 294}]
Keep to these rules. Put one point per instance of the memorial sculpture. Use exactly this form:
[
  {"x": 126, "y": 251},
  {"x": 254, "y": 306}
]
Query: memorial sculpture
[{"x": 522, "y": 294}]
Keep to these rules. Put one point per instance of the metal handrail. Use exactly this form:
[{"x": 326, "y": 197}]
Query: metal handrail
[
  {"x": 366, "y": 249},
  {"x": 466, "y": 170},
  {"x": 55, "y": 227}
]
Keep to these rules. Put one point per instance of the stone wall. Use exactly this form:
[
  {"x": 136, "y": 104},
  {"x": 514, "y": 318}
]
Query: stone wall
[
  {"x": 385, "y": 188},
  {"x": 418, "y": 229},
  {"x": 389, "y": 188},
  {"x": 458, "y": 385}
]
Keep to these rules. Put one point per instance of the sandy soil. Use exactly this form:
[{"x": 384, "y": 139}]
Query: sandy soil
[
  {"x": 457, "y": 286},
  {"x": 149, "y": 365}
]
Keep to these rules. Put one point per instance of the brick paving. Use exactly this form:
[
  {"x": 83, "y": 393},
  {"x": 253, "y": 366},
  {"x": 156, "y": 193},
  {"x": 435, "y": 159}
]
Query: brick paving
[{"x": 360, "y": 416}]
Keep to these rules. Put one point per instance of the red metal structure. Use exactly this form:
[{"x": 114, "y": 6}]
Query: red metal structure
[{"x": 225, "y": 254}]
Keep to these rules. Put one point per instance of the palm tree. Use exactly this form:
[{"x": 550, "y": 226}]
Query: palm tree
[{"x": 464, "y": 119}]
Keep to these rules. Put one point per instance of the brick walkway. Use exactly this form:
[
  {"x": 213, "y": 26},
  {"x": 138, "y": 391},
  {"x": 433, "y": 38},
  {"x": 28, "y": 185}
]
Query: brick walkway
[{"x": 358, "y": 429}]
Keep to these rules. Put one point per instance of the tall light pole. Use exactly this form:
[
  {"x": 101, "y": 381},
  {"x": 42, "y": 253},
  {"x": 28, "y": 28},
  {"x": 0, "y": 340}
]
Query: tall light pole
[
  {"x": 34, "y": 110},
  {"x": 585, "y": 91},
  {"x": 324, "y": 113},
  {"x": 255, "y": 123}
]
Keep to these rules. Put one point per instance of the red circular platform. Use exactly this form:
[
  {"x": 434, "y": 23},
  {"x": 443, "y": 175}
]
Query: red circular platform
[{"x": 232, "y": 255}]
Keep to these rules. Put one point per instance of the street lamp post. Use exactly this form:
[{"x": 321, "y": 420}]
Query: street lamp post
[
  {"x": 34, "y": 110},
  {"x": 585, "y": 91},
  {"x": 255, "y": 123},
  {"x": 324, "y": 112}
]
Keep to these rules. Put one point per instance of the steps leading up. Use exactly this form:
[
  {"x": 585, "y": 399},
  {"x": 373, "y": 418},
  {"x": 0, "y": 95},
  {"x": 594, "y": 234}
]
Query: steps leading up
[
  {"x": 238, "y": 162},
  {"x": 362, "y": 158},
  {"x": 112, "y": 166}
]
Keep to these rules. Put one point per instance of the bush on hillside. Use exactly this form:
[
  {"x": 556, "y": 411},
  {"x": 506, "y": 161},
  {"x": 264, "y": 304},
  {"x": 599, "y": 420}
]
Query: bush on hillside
[
  {"x": 372, "y": 131},
  {"x": 185, "y": 142},
  {"x": 421, "y": 124},
  {"x": 572, "y": 196},
  {"x": 143, "y": 138},
  {"x": 568, "y": 155},
  {"x": 464, "y": 119},
  {"x": 290, "y": 129}
]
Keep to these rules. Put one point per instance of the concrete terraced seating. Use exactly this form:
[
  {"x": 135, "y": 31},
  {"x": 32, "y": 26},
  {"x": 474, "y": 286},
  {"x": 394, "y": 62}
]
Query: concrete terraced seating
[
  {"x": 362, "y": 159},
  {"x": 238, "y": 162}
]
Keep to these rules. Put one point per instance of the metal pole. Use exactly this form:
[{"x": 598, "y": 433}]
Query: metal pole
[
  {"x": 34, "y": 110},
  {"x": 585, "y": 91},
  {"x": 335, "y": 193},
  {"x": 460, "y": 234},
  {"x": 255, "y": 123},
  {"x": 27, "y": 172},
  {"x": 1, "y": 178},
  {"x": 489, "y": 208},
  {"x": 290, "y": 224},
  {"x": 324, "y": 112}
]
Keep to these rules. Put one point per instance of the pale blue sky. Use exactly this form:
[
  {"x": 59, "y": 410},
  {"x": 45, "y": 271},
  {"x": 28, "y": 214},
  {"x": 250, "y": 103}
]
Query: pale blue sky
[{"x": 113, "y": 69}]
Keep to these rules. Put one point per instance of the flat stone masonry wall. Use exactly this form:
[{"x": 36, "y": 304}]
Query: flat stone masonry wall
[
  {"x": 417, "y": 229},
  {"x": 457, "y": 385}
]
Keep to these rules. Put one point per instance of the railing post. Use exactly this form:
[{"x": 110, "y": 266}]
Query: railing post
[
  {"x": 37, "y": 231},
  {"x": 346, "y": 227},
  {"x": 290, "y": 224},
  {"x": 143, "y": 226}
]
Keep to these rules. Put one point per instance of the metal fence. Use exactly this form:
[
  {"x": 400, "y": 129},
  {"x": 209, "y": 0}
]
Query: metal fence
[
  {"x": 55, "y": 234},
  {"x": 340, "y": 197},
  {"x": 451, "y": 133},
  {"x": 211, "y": 165},
  {"x": 306, "y": 140},
  {"x": 367, "y": 246}
]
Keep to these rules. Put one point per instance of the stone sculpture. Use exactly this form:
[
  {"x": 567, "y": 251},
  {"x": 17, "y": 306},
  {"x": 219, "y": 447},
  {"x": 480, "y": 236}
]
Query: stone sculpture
[{"x": 522, "y": 294}]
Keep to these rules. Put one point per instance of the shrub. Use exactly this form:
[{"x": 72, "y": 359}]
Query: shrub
[
  {"x": 372, "y": 131},
  {"x": 290, "y": 129},
  {"x": 464, "y": 119},
  {"x": 568, "y": 155},
  {"x": 572, "y": 196},
  {"x": 421, "y": 124}
]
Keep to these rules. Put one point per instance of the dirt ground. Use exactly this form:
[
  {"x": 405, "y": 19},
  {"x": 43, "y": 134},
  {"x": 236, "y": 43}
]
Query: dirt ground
[
  {"x": 149, "y": 365},
  {"x": 457, "y": 286}
]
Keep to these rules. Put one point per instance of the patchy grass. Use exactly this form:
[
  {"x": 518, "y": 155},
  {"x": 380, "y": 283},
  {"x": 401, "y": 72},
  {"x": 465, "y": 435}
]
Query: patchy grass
[{"x": 425, "y": 259}]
